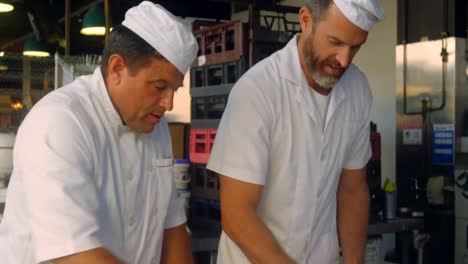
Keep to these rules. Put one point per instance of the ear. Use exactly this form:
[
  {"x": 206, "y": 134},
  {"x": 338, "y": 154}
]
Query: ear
[
  {"x": 116, "y": 66},
  {"x": 305, "y": 19}
]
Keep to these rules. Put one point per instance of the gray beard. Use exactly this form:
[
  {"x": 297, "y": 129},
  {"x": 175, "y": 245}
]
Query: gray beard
[{"x": 322, "y": 80}]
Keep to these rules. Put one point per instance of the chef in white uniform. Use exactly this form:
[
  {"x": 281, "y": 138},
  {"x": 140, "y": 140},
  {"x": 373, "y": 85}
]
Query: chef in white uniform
[
  {"x": 293, "y": 143},
  {"x": 92, "y": 179}
]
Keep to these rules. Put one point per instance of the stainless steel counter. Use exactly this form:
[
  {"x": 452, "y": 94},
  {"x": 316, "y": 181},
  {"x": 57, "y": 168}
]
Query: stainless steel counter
[
  {"x": 395, "y": 226},
  {"x": 204, "y": 239}
]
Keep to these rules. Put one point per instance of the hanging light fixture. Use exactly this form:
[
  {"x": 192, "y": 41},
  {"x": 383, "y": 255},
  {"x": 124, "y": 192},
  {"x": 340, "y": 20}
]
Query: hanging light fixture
[
  {"x": 35, "y": 48},
  {"x": 6, "y": 6},
  {"x": 94, "y": 23}
]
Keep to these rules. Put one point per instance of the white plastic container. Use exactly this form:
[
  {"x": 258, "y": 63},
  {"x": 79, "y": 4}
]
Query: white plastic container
[
  {"x": 185, "y": 196},
  {"x": 181, "y": 173}
]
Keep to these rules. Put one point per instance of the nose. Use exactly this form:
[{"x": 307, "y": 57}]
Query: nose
[
  {"x": 168, "y": 100},
  {"x": 344, "y": 56}
]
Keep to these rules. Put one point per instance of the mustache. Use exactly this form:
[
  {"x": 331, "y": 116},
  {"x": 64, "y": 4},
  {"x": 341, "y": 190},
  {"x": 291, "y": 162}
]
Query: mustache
[{"x": 334, "y": 63}]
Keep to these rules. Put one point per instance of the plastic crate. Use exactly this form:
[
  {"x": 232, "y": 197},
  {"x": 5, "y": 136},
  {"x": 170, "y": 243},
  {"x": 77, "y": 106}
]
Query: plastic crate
[
  {"x": 217, "y": 74},
  {"x": 201, "y": 141},
  {"x": 205, "y": 183},
  {"x": 221, "y": 43},
  {"x": 262, "y": 49},
  {"x": 209, "y": 107},
  {"x": 205, "y": 123},
  {"x": 376, "y": 145}
]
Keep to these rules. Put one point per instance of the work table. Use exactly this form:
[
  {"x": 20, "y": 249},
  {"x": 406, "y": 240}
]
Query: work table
[{"x": 205, "y": 238}]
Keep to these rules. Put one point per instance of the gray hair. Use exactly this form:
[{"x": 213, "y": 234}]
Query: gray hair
[{"x": 318, "y": 8}]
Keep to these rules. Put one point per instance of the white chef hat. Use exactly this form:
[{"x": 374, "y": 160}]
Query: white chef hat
[
  {"x": 362, "y": 13},
  {"x": 168, "y": 34}
]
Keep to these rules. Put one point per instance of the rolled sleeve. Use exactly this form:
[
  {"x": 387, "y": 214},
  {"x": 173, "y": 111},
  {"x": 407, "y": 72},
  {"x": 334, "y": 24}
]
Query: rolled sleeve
[
  {"x": 52, "y": 160},
  {"x": 176, "y": 212},
  {"x": 360, "y": 149},
  {"x": 241, "y": 148}
]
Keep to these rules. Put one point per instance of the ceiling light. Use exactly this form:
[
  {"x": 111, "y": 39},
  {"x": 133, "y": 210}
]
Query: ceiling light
[
  {"x": 35, "y": 48},
  {"x": 6, "y": 6},
  {"x": 94, "y": 23}
]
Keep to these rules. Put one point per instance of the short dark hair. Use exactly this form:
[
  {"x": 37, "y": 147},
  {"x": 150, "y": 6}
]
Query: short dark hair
[
  {"x": 318, "y": 8},
  {"x": 135, "y": 50}
]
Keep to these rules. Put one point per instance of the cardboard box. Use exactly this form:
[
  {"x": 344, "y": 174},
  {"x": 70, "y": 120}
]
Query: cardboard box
[{"x": 179, "y": 139}]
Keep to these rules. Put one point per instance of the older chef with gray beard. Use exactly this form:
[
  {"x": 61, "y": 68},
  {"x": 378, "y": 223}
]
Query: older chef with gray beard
[{"x": 293, "y": 143}]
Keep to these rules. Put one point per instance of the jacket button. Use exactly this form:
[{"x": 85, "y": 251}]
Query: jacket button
[
  {"x": 131, "y": 221},
  {"x": 322, "y": 156}
]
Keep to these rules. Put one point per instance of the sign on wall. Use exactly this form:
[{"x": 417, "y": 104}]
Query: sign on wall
[{"x": 444, "y": 144}]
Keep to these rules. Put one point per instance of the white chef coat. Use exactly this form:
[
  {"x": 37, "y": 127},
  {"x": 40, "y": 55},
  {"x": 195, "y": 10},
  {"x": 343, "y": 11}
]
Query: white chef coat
[
  {"x": 321, "y": 101},
  {"x": 270, "y": 135},
  {"x": 83, "y": 180}
]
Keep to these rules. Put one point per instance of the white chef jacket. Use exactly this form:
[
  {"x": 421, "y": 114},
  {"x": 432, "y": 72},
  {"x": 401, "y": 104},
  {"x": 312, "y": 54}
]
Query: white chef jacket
[
  {"x": 83, "y": 180},
  {"x": 270, "y": 135}
]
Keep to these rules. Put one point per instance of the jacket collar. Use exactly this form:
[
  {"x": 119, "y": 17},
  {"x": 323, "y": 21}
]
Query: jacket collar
[
  {"x": 290, "y": 64},
  {"x": 105, "y": 100},
  {"x": 291, "y": 70}
]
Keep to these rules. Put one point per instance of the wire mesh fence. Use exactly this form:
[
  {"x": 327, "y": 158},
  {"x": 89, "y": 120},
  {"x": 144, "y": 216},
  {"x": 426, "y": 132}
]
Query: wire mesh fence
[
  {"x": 69, "y": 68},
  {"x": 19, "y": 71},
  {"x": 25, "y": 80}
]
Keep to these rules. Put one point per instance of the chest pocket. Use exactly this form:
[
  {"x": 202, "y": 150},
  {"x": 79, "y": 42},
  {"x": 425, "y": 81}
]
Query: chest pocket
[
  {"x": 163, "y": 171},
  {"x": 352, "y": 120},
  {"x": 346, "y": 130},
  {"x": 163, "y": 163}
]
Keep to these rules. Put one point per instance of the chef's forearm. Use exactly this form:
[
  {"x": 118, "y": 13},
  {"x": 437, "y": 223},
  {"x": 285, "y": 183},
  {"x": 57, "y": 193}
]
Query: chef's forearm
[
  {"x": 93, "y": 256},
  {"x": 353, "y": 211},
  {"x": 252, "y": 236},
  {"x": 176, "y": 246}
]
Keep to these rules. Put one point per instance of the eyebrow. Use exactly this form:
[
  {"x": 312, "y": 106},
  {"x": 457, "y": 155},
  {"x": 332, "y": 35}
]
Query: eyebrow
[
  {"x": 157, "y": 81},
  {"x": 343, "y": 42},
  {"x": 164, "y": 82}
]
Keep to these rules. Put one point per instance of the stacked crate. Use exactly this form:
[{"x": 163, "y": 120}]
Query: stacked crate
[
  {"x": 220, "y": 63},
  {"x": 374, "y": 181},
  {"x": 226, "y": 51}
]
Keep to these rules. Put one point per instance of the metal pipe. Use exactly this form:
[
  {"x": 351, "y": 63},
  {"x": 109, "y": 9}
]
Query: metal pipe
[
  {"x": 444, "y": 55},
  {"x": 427, "y": 137},
  {"x": 56, "y": 66},
  {"x": 107, "y": 17},
  {"x": 67, "y": 27},
  {"x": 252, "y": 29}
]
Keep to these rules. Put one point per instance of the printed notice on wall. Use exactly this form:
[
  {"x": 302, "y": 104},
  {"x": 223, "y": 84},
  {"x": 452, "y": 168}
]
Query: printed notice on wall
[
  {"x": 444, "y": 144},
  {"x": 412, "y": 135}
]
